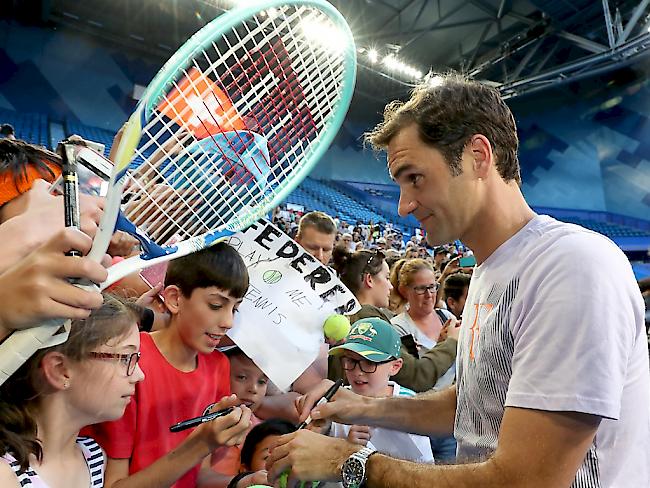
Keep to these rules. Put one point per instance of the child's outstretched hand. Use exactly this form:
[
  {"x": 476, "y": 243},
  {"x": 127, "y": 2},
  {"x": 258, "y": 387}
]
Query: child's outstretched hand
[
  {"x": 359, "y": 434},
  {"x": 228, "y": 430}
]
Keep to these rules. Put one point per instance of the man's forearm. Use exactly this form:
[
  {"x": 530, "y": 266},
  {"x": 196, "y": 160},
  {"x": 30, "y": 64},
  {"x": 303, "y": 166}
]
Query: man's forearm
[
  {"x": 430, "y": 413},
  {"x": 384, "y": 471}
]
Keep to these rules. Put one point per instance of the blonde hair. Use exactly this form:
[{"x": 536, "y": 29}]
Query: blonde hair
[{"x": 403, "y": 271}]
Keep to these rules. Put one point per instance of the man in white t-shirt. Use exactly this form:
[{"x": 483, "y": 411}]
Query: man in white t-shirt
[{"x": 553, "y": 382}]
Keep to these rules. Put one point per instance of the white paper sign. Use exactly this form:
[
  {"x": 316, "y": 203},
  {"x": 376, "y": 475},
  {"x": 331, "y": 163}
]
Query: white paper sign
[{"x": 280, "y": 324}]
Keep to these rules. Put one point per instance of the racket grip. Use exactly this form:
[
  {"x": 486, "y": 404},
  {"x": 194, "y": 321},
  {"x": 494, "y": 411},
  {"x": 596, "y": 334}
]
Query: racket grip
[
  {"x": 70, "y": 194},
  {"x": 16, "y": 349}
]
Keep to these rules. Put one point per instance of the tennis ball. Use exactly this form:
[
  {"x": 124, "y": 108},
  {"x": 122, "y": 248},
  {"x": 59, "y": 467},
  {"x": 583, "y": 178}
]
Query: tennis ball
[{"x": 336, "y": 327}]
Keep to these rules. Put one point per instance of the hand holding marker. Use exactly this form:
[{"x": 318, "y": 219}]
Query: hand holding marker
[
  {"x": 193, "y": 422},
  {"x": 282, "y": 480},
  {"x": 326, "y": 398}
]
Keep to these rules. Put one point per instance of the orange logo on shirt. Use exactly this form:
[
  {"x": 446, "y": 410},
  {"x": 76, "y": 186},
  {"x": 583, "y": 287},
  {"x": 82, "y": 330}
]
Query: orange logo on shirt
[
  {"x": 480, "y": 311},
  {"x": 198, "y": 105}
]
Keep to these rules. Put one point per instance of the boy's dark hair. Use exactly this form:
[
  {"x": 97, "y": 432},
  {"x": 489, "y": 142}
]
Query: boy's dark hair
[
  {"x": 261, "y": 432},
  {"x": 448, "y": 113},
  {"x": 234, "y": 352},
  {"x": 219, "y": 265}
]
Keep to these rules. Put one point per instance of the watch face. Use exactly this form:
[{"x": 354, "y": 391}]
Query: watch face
[{"x": 353, "y": 472}]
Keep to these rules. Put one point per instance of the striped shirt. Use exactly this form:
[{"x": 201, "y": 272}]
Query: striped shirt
[
  {"x": 554, "y": 321},
  {"x": 92, "y": 453}
]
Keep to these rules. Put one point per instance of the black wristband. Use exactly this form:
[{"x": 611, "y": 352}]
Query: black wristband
[
  {"x": 146, "y": 320},
  {"x": 237, "y": 478}
]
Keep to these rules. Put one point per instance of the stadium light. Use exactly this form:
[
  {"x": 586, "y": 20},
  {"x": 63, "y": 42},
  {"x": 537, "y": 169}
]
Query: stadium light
[{"x": 325, "y": 34}]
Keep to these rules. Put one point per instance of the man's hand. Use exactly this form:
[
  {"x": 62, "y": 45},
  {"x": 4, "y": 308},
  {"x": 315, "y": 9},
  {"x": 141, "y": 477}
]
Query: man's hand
[
  {"x": 345, "y": 407},
  {"x": 308, "y": 457},
  {"x": 228, "y": 430},
  {"x": 359, "y": 434},
  {"x": 36, "y": 288}
]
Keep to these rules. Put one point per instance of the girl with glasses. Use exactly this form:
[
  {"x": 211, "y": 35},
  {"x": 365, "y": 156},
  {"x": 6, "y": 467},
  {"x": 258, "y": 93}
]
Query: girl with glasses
[{"x": 89, "y": 378}]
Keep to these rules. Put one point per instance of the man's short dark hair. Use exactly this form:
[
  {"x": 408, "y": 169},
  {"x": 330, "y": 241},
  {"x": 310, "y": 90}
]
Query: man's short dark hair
[
  {"x": 7, "y": 130},
  {"x": 448, "y": 113},
  {"x": 219, "y": 265},
  {"x": 320, "y": 221}
]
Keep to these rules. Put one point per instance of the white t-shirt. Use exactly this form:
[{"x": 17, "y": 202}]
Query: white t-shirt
[
  {"x": 402, "y": 445},
  {"x": 554, "y": 321},
  {"x": 404, "y": 324}
]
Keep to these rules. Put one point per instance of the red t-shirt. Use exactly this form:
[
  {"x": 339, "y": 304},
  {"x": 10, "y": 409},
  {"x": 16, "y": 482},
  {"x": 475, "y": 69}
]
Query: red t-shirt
[{"x": 165, "y": 397}]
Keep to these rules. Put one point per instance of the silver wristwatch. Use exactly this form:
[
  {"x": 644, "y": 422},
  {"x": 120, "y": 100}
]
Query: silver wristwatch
[{"x": 354, "y": 468}]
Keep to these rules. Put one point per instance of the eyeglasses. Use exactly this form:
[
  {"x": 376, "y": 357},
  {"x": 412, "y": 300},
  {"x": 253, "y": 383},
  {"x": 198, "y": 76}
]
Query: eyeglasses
[
  {"x": 422, "y": 289},
  {"x": 128, "y": 360},
  {"x": 366, "y": 366}
]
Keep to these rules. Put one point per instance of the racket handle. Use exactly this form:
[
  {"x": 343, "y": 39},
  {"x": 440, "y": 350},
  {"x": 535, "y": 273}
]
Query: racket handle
[
  {"x": 16, "y": 349},
  {"x": 70, "y": 190}
]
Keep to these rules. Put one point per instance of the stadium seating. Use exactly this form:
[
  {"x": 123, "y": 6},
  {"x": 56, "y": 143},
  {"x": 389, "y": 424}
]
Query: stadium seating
[
  {"x": 29, "y": 127},
  {"x": 342, "y": 199}
]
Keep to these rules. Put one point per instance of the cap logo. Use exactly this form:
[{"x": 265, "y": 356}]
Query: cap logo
[{"x": 363, "y": 328}]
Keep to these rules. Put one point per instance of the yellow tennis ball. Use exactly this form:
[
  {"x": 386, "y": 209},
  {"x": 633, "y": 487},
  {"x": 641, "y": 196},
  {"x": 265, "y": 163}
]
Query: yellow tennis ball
[{"x": 336, "y": 327}]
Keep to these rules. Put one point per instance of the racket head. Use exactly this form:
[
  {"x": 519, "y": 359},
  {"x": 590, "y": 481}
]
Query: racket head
[{"x": 236, "y": 119}]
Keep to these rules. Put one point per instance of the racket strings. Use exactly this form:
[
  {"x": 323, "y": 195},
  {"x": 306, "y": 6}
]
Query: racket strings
[{"x": 242, "y": 116}]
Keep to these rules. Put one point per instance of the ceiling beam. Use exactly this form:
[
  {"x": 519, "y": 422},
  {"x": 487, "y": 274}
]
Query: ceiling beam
[
  {"x": 504, "y": 8},
  {"x": 526, "y": 59},
  {"x": 609, "y": 24},
  {"x": 393, "y": 35},
  {"x": 549, "y": 54},
  {"x": 631, "y": 24},
  {"x": 584, "y": 43},
  {"x": 484, "y": 34}
]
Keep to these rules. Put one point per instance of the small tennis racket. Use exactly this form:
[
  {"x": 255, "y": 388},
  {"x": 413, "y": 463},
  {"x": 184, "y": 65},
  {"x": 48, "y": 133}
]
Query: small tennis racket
[{"x": 230, "y": 125}]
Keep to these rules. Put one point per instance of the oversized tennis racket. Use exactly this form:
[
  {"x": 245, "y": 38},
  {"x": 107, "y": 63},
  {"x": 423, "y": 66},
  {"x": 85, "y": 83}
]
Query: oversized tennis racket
[{"x": 229, "y": 126}]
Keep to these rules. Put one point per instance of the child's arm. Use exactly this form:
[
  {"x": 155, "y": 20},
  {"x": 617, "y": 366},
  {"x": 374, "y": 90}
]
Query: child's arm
[
  {"x": 359, "y": 434},
  {"x": 224, "y": 431}
]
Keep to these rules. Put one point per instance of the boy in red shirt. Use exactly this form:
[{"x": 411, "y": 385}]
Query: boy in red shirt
[{"x": 184, "y": 378}]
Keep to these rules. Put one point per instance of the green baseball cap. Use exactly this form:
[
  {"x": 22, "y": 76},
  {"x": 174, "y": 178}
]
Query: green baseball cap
[{"x": 373, "y": 338}]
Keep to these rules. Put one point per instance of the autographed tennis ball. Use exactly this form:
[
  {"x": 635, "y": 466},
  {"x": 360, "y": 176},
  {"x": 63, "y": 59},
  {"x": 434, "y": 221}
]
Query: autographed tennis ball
[{"x": 336, "y": 327}]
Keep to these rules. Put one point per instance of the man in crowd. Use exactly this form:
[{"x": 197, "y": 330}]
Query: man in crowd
[{"x": 316, "y": 233}]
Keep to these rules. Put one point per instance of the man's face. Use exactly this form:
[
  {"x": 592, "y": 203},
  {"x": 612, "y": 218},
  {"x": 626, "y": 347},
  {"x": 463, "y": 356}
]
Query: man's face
[
  {"x": 445, "y": 205},
  {"x": 317, "y": 244}
]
